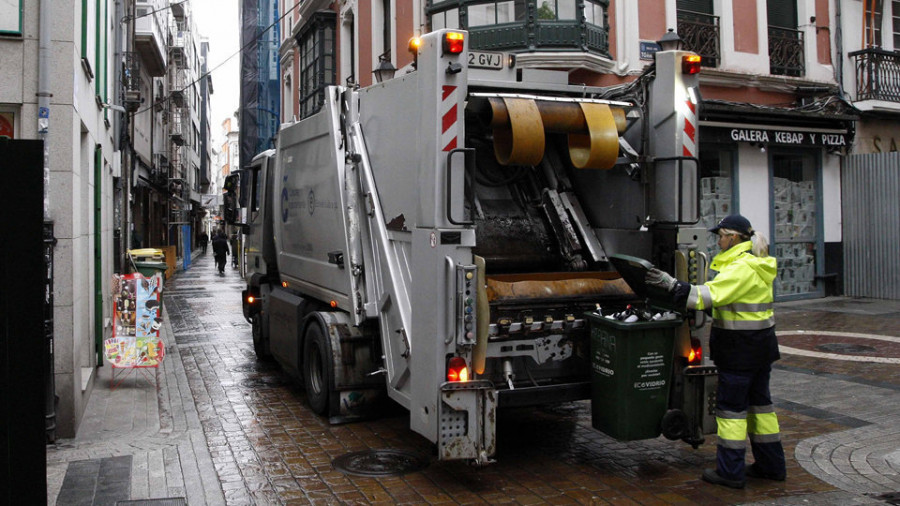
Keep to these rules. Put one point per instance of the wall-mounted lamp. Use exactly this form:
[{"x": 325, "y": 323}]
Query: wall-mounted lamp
[
  {"x": 385, "y": 70},
  {"x": 117, "y": 108}
]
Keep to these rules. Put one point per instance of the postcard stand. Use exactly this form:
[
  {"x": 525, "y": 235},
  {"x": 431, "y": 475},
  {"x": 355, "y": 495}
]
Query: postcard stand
[{"x": 137, "y": 318}]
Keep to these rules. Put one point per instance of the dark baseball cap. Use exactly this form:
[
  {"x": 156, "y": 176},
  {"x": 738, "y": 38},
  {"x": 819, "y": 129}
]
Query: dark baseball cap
[{"x": 734, "y": 222}]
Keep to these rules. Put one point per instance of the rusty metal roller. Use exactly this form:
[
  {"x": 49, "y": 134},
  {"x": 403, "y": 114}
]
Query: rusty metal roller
[
  {"x": 599, "y": 148},
  {"x": 520, "y": 140}
]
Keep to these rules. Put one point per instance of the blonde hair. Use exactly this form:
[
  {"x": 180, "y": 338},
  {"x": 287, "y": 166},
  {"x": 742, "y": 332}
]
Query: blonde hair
[{"x": 760, "y": 245}]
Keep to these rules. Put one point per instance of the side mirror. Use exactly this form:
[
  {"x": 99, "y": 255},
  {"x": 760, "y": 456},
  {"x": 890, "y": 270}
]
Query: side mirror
[{"x": 230, "y": 198}]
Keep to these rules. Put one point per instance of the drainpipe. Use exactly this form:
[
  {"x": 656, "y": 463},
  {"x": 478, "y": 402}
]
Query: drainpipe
[
  {"x": 43, "y": 127},
  {"x": 43, "y": 95},
  {"x": 839, "y": 50}
]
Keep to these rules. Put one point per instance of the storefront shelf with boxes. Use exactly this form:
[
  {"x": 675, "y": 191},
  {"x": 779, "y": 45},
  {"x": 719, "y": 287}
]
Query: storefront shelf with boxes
[
  {"x": 795, "y": 235},
  {"x": 715, "y": 204}
]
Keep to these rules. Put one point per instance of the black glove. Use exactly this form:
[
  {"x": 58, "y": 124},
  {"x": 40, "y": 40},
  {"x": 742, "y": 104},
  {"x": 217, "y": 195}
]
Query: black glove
[{"x": 660, "y": 279}]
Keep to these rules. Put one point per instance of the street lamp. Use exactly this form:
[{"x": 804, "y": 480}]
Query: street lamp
[
  {"x": 385, "y": 69},
  {"x": 670, "y": 41}
]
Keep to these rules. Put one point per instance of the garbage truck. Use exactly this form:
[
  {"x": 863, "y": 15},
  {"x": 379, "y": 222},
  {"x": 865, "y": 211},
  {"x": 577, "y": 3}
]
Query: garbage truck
[{"x": 442, "y": 238}]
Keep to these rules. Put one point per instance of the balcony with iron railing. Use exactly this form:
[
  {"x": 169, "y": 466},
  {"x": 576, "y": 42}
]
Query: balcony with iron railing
[
  {"x": 877, "y": 77},
  {"x": 786, "y": 52},
  {"x": 523, "y": 26},
  {"x": 700, "y": 33},
  {"x": 131, "y": 80}
]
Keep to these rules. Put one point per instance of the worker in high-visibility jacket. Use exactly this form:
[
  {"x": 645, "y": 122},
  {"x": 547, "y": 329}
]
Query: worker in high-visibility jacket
[{"x": 743, "y": 346}]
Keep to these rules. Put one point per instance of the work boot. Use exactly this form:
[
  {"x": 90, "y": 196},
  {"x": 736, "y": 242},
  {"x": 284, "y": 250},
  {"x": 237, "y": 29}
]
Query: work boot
[
  {"x": 712, "y": 476},
  {"x": 755, "y": 472}
]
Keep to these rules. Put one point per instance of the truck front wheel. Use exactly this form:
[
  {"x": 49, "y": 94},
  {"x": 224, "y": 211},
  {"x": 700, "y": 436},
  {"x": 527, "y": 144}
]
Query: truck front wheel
[
  {"x": 317, "y": 368},
  {"x": 260, "y": 341}
]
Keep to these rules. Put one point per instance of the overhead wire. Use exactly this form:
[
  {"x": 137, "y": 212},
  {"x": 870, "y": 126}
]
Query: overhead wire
[
  {"x": 210, "y": 71},
  {"x": 154, "y": 11}
]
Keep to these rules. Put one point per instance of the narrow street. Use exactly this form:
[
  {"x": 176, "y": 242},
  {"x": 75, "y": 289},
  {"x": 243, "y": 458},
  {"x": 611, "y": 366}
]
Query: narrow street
[{"x": 216, "y": 426}]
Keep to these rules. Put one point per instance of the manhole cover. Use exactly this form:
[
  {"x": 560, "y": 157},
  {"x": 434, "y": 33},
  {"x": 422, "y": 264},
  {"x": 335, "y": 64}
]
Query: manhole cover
[
  {"x": 890, "y": 498},
  {"x": 379, "y": 463},
  {"x": 263, "y": 382},
  {"x": 255, "y": 367},
  {"x": 845, "y": 348}
]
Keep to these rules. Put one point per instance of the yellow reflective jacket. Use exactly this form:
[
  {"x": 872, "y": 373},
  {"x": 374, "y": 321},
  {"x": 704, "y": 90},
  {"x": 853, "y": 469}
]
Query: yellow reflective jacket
[
  {"x": 740, "y": 299},
  {"x": 741, "y": 295}
]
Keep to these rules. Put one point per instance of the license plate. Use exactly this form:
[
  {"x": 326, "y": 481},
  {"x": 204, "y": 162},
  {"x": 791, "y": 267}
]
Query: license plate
[{"x": 483, "y": 60}]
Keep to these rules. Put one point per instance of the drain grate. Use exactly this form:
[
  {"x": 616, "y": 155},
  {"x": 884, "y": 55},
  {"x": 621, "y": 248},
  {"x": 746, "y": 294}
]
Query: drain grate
[
  {"x": 379, "y": 463},
  {"x": 263, "y": 382},
  {"x": 845, "y": 348}
]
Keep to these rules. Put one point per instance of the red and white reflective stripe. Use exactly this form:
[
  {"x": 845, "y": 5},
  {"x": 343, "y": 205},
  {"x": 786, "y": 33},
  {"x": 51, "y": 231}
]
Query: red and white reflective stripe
[
  {"x": 690, "y": 129},
  {"x": 449, "y": 117}
]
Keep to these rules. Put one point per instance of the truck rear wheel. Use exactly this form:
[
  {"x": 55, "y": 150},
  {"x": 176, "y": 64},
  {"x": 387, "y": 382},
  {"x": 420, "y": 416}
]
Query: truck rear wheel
[{"x": 317, "y": 368}]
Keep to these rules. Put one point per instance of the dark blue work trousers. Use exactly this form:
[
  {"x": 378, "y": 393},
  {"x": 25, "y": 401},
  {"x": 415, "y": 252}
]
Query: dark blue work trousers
[{"x": 744, "y": 408}]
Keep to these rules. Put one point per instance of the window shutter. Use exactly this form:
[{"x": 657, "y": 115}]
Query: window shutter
[
  {"x": 702, "y": 6},
  {"x": 782, "y": 13}
]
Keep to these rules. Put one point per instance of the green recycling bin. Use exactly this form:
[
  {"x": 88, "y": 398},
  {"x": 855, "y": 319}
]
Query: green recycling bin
[
  {"x": 150, "y": 268},
  {"x": 631, "y": 372}
]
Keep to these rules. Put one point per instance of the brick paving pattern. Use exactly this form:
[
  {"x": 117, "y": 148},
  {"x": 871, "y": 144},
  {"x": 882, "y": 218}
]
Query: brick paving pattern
[{"x": 228, "y": 429}]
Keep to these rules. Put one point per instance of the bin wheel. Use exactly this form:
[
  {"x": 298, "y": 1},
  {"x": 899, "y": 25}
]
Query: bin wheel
[
  {"x": 674, "y": 424},
  {"x": 317, "y": 368},
  {"x": 260, "y": 342}
]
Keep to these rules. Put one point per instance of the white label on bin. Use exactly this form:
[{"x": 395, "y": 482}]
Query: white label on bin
[{"x": 650, "y": 367}]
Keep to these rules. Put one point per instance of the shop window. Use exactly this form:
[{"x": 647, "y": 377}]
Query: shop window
[
  {"x": 7, "y": 125},
  {"x": 716, "y": 190},
  {"x": 795, "y": 239}
]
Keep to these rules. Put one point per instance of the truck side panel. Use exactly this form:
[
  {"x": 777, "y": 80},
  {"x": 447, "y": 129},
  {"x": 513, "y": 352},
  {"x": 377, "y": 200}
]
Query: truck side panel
[{"x": 309, "y": 223}]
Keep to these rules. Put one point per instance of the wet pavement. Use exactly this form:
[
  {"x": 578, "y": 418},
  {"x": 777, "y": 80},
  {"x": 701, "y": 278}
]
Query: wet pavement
[{"x": 215, "y": 426}]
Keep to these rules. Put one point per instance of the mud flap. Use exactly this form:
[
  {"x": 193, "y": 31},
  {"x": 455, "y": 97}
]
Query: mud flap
[
  {"x": 468, "y": 416},
  {"x": 700, "y": 401},
  {"x": 357, "y": 389}
]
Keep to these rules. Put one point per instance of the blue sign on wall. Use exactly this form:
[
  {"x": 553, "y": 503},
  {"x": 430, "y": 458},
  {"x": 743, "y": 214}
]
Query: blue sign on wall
[{"x": 648, "y": 49}]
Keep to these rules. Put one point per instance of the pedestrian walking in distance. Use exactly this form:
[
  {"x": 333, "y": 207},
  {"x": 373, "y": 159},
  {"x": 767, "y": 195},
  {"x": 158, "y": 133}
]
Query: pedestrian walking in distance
[
  {"x": 220, "y": 250},
  {"x": 204, "y": 240},
  {"x": 743, "y": 346}
]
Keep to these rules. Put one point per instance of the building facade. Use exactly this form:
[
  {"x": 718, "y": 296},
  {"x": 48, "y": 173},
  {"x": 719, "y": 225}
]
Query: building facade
[
  {"x": 868, "y": 68},
  {"x": 260, "y": 102},
  {"x": 105, "y": 108},
  {"x": 776, "y": 122},
  {"x": 79, "y": 123}
]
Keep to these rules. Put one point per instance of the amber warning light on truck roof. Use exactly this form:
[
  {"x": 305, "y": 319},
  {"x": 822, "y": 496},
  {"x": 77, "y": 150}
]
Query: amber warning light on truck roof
[
  {"x": 690, "y": 64},
  {"x": 454, "y": 42}
]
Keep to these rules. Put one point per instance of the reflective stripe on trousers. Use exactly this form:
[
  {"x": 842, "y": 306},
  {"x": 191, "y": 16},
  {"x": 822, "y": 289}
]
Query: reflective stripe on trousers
[{"x": 744, "y": 407}]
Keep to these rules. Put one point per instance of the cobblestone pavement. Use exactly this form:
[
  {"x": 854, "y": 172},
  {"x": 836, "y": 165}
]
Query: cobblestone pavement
[{"x": 223, "y": 428}]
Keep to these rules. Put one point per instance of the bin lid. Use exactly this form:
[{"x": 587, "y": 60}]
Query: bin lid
[
  {"x": 147, "y": 252},
  {"x": 634, "y": 272}
]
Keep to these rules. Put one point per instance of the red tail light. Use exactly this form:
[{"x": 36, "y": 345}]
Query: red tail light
[
  {"x": 690, "y": 64},
  {"x": 454, "y": 42},
  {"x": 457, "y": 370},
  {"x": 695, "y": 357}
]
